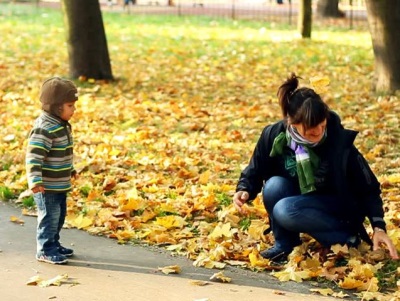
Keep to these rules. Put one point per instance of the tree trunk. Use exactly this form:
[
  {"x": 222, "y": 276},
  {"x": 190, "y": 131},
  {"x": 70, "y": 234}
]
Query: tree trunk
[
  {"x": 305, "y": 18},
  {"x": 384, "y": 24},
  {"x": 329, "y": 8},
  {"x": 86, "y": 40}
]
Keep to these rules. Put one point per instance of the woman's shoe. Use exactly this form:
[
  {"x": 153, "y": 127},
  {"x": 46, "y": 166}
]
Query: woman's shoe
[{"x": 275, "y": 254}]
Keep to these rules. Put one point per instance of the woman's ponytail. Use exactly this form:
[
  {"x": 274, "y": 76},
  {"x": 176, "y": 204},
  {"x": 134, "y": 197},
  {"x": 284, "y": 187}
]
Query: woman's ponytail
[{"x": 285, "y": 91}]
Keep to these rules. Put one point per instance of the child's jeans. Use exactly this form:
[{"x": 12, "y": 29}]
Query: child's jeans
[
  {"x": 292, "y": 213},
  {"x": 51, "y": 210}
]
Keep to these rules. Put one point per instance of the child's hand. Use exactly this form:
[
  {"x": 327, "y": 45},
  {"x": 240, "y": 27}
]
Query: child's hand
[{"x": 37, "y": 189}]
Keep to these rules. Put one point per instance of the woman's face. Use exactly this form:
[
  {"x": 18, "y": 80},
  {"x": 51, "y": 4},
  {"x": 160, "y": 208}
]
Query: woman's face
[{"x": 314, "y": 134}]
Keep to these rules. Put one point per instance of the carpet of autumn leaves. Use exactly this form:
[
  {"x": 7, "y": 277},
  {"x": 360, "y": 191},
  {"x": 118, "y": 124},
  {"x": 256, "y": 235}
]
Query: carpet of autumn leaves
[{"x": 159, "y": 150}]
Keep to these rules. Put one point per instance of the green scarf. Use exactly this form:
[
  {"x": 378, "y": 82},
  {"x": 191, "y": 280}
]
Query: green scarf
[{"x": 306, "y": 160}]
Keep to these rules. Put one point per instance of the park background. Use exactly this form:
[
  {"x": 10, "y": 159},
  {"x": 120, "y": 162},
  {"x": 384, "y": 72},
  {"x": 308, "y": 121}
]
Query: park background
[{"x": 159, "y": 149}]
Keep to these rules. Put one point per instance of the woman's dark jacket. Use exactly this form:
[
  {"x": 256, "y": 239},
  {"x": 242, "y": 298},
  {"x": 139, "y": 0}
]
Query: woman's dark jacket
[{"x": 349, "y": 177}]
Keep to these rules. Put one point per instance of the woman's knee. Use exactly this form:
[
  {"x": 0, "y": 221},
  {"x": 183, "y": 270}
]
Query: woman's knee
[
  {"x": 274, "y": 190},
  {"x": 286, "y": 214}
]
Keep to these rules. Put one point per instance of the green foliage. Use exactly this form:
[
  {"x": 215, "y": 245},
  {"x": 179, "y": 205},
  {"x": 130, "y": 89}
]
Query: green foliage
[
  {"x": 28, "y": 202},
  {"x": 85, "y": 190},
  {"x": 224, "y": 199},
  {"x": 388, "y": 276},
  {"x": 6, "y": 194},
  {"x": 245, "y": 223}
]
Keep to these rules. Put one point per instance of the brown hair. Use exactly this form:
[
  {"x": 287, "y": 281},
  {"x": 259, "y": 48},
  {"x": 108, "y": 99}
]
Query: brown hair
[{"x": 301, "y": 105}]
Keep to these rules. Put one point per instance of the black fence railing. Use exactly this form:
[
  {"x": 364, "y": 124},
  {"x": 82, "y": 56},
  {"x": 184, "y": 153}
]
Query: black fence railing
[
  {"x": 279, "y": 11},
  {"x": 283, "y": 11}
]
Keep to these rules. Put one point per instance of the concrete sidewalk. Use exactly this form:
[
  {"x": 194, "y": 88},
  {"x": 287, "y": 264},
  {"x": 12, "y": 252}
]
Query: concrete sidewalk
[{"x": 105, "y": 270}]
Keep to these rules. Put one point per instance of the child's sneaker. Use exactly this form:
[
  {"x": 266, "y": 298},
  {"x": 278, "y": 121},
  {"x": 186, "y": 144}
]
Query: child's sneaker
[
  {"x": 53, "y": 259},
  {"x": 65, "y": 251}
]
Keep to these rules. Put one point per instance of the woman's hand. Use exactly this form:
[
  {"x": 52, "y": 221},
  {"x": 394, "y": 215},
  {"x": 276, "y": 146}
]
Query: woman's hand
[
  {"x": 379, "y": 237},
  {"x": 239, "y": 199}
]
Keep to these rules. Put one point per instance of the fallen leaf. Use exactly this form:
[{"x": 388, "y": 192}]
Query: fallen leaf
[
  {"x": 199, "y": 282},
  {"x": 220, "y": 277},
  {"x": 16, "y": 220},
  {"x": 322, "y": 291},
  {"x": 171, "y": 269}
]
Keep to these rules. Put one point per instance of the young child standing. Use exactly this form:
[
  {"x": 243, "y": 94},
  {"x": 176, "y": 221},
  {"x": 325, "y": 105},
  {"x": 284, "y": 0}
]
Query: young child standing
[{"x": 49, "y": 166}]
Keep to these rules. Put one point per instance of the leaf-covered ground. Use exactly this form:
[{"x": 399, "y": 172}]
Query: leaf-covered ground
[{"x": 159, "y": 150}]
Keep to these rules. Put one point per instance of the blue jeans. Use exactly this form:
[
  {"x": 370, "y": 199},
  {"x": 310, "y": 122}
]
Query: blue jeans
[
  {"x": 292, "y": 213},
  {"x": 51, "y": 210}
]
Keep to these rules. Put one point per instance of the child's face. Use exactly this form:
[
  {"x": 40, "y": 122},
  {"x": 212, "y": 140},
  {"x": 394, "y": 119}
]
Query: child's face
[{"x": 67, "y": 110}]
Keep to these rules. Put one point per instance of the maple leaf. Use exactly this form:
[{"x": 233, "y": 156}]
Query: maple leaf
[
  {"x": 221, "y": 231},
  {"x": 256, "y": 229},
  {"x": 171, "y": 221},
  {"x": 199, "y": 282},
  {"x": 256, "y": 260},
  {"x": 80, "y": 221},
  {"x": 350, "y": 283},
  {"x": 292, "y": 274},
  {"x": 320, "y": 83},
  {"x": 322, "y": 291},
  {"x": 204, "y": 261},
  {"x": 16, "y": 220},
  {"x": 56, "y": 281},
  {"x": 220, "y": 277},
  {"x": 171, "y": 269},
  {"x": 35, "y": 280}
]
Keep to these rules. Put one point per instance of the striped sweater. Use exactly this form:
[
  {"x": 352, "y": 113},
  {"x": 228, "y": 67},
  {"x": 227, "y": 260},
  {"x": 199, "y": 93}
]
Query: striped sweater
[{"x": 49, "y": 154}]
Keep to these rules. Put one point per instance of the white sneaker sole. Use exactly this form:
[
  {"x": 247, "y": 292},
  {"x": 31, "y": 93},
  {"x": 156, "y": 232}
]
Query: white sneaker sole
[{"x": 52, "y": 262}]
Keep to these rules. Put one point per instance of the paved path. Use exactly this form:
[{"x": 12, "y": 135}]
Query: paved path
[{"x": 105, "y": 270}]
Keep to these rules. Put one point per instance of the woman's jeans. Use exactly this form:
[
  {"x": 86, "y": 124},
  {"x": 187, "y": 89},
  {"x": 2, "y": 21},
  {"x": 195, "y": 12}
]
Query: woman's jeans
[
  {"x": 51, "y": 210},
  {"x": 292, "y": 213}
]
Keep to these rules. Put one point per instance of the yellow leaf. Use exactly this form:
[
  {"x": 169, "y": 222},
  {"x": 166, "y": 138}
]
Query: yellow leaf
[
  {"x": 339, "y": 249},
  {"x": 256, "y": 260},
  {"x": 82, "y": 222},
  {"x": 171, "y": 221},
  {"x": 34, "y": 280},
  {"x": 371, "y": 285},
  {"x": 56, "y": 281},
  {"x": 198, "y": 282},
  {"x": 340, "y": 295},
  {"x": 350, "y": 283},
  {"x": 205, "y": 177},
  {"x": 291, "y": 274},
  {"x": 16, "y": 220},
  {"x": 320, "y": 83},
  {"x": 147, "y": 215},
  {"x": 221, "y": 231},
  {"x": 256, "y": 229},
  {"x": 204, "y": 261},
  {"x": 323, "y": 291},
  {"x": 133, "y": 204},
  {"x": 171, "y": 269},
  {"x": 220, "y": 277}
]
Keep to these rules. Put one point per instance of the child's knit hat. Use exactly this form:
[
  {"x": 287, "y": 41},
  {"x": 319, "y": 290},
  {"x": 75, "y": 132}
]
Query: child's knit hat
[{"x": 55, "y": 92}]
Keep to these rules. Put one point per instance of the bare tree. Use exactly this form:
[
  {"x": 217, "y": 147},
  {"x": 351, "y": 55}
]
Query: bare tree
[
  {"x": 86, "y": 39},
  {"x": 304, "y": 23},
  {"x": 329, "y": 8},
  {"x": 384, "y": 24}
]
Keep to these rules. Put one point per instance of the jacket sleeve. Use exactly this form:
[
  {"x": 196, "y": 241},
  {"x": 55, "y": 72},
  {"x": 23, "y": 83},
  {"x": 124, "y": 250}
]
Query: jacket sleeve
[
  {"x": 252, "y": 177},
  {"x": 366, "y": 188},
  {"x": 39, "y": 145}
]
